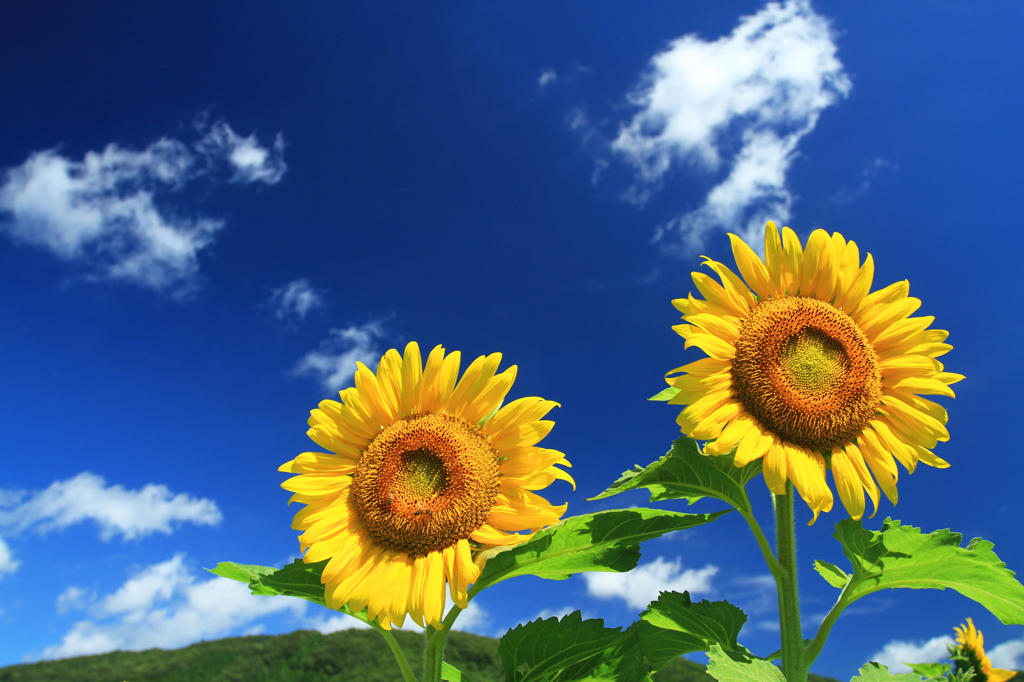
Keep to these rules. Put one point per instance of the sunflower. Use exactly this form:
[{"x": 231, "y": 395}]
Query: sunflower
[
  {"x": 809, "y": 371},
  {"x": 421, "y": 475},
  {"x": 970, "y": 651}
]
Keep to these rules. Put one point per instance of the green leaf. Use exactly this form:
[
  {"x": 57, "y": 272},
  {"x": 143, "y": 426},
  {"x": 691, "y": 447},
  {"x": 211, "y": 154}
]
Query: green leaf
[
  {"x": 740, "y": 667},
  {"x": 930, "y": 669},
  {"x": 604, "y": 541},
  {"x": 569, "y": 649},
  {"x": 451, "y": 674},
  {"x": 297, "y": 579},
  {"x": 686, "y": 473},
  {"x": 833, "y": 575},
  {"x": 243, "y": 573},
  {"x": 673, "y": 625},
  {"x": 667, "y": 394},
  {"x": 876, "y": 672},
  {"x": 902, "y": 556}
]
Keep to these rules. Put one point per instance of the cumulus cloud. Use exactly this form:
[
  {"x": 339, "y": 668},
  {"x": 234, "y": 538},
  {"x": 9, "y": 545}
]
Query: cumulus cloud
[
  {"x": 103, "y": 211},
  {"x": 642, "y": 585},
  {"x": 1008, "y": 655},
  {"x": 334, "y": 362},
  {"x": 473, "y": 618},
  {"x": 118, "y": 511},
  {"x": 294, "y": 300},
  {"x": 166, "y": 606},
  {"x": 758, "y": 91},
  {"x": 894, "y": 654}
]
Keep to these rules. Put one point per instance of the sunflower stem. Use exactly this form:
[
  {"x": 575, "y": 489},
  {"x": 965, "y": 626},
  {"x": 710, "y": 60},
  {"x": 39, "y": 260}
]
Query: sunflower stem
[
  {"x": 436, "y": 640},
  {"x": 789, "y": 600},
  {"x": 403, "y": 662}
]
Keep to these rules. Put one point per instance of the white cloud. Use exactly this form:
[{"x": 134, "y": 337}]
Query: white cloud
[
  {"x": 7, "y": 562},
  {"x": 250, "y": 161},
  {"x": 1008, "y": 655},
  {"x": 294, "y": 300},
  {"x": 103, "y": 211},
  {"x": 894, "y": 654},
  {"x": 547, "y": 76},
  {"x": 641, "y": 586},
  {"x": 761, "y": 89},
  {"x": 334, "y": 363},
  {"x": 166, "y": 606},
  {"x": 73, "y": 599},
  {"x": 129, "y": 513},
  {"x": 472, "y": 619}
]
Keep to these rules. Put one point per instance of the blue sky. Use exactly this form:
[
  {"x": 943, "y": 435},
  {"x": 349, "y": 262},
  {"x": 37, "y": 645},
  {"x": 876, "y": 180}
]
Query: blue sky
[{"x": 207, "y": 216}]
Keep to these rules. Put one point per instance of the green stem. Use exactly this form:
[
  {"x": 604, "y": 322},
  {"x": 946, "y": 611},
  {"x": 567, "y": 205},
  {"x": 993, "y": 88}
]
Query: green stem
[
  {"x": 826, "y": 626},
  {"x": 403, "y": 662},
  {"x": 789, "y": 600},
  {"x": 436, "y": 640},
  {"x": 762, "y": 542}
]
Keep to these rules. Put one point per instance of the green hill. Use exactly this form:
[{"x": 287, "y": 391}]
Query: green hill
[{"x": 303, "y": 656}]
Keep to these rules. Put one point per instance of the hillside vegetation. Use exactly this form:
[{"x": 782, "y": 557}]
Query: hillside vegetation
[{"x": 303, "y": 656}]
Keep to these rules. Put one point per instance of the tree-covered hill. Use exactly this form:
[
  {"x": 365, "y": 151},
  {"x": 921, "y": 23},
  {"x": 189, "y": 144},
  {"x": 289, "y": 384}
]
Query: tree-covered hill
[{"x": 303, "y": 656}]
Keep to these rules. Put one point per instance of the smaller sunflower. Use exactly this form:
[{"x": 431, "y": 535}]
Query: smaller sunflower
[
  {"x": 970, "y": 652},
  {"x": 422, "y": 474}
]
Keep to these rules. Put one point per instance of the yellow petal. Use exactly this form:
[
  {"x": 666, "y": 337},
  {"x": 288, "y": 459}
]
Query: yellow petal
[
  {"x": 792, "y": 261},
  {"x": 712, "y": 345},
  {"x": 859, "y": 289},
  {"x": 738, "y": 291},
  {"x": 807, "y": 471},
  {"x": 750, "y": 266},
  {"x": 775, "y": 466},
  {"x": 755, "y": 444},
  {"x": 725, "y": 328},
  {"x": 716, "y": 295},
  {"x": 731, "y": 436},
  {"x": 818, "y": 271},
  {"x": 848, "y": 484},
  {"x": 701, "y": 368},
  {"x": 855, "y": 457},
  {"x": 713, "y": 424},
  {"x": 773, "y": 259},
  {"x": 849, "y": 266}
]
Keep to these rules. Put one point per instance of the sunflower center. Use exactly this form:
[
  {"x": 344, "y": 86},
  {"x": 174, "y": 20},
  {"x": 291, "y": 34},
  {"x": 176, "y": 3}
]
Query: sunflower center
[
  {"x": 806, "y": 371},
  {"x": 425, "y": 482}
]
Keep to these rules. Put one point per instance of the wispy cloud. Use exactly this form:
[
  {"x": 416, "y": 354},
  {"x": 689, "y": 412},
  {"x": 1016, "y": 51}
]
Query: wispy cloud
[
  {"x": 547, "y": 76},
  {"x": 250, "y": 161},
  {"x": 897, "y": 652},
  {"x": 642, "y": 585},
  {"x": 118, "y": 511},
  {"x": 7, "y": 562},
  {"x": 294, "y": 300},
  {"x": 333, "y": 364},
  {"x": 847, "y": 195},
  {"x": 103, "y": 211},
  {"x": 165, "y": 606},
  {"x": 758, "y": 90}
]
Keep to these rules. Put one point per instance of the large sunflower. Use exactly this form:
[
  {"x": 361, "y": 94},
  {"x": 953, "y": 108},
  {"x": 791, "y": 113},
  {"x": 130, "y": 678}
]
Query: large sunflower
[
  {"x": 422, "y": 474},
  {"x": 970, "y": 651},
  {"x": 810, "y": 371}
]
